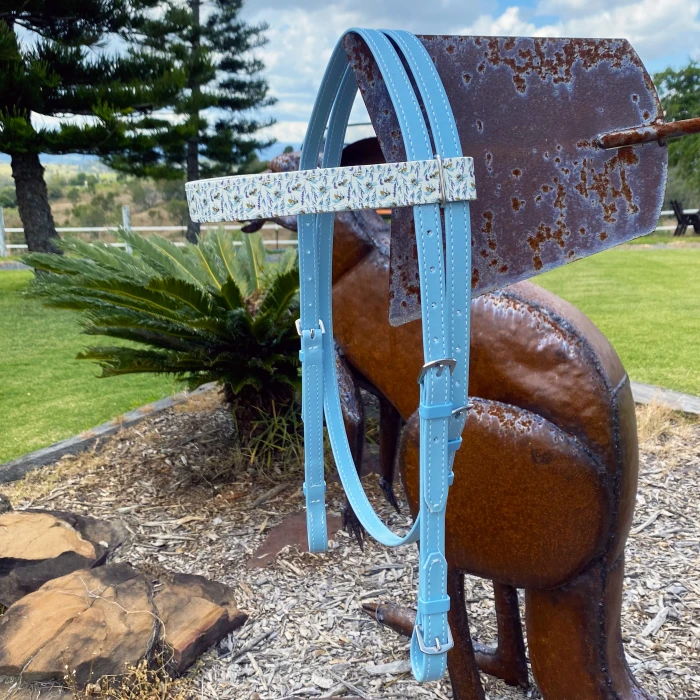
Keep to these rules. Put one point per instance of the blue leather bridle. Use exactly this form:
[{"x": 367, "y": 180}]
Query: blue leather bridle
[{"x": 445, "y": 292}]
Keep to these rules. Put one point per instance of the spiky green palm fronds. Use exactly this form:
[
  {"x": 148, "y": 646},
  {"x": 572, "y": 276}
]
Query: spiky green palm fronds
[{"x": 218, "y": 311}]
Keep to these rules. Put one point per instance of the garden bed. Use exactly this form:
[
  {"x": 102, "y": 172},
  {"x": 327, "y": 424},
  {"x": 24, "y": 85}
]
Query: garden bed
[{"x": 193, "y": 506}]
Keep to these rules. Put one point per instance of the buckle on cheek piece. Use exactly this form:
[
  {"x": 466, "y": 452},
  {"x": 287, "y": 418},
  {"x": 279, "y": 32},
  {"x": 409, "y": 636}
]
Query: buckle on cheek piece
[
  {"x": 297, "y": 325},
  {"x": 438, "y": 648},
  {"x": 440, "y": 364}
]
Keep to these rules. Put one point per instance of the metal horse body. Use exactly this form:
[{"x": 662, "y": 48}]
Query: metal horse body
[
  {"x": 564, "y": 137},
  {"x": 545, "y": 481},
  {"x": 546, "y": 478}
]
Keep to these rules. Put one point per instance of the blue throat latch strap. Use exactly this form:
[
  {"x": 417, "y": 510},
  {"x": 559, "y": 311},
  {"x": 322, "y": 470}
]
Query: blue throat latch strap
[{"x": 445, "y": 293}]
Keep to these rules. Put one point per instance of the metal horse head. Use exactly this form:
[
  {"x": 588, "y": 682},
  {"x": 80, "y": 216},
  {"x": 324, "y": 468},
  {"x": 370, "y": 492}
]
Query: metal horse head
[{"x": 567, "y": 138}]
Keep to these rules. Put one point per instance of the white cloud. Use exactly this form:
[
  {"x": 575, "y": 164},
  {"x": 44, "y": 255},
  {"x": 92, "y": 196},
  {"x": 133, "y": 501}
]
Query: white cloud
[
  {"x": 302, "y": 36},
  {"x": 509, "y": 23},
  {"x": 655, "y": 29}
]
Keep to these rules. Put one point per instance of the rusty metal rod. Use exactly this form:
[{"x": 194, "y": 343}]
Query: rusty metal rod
[{"x": 648, "y": 134}]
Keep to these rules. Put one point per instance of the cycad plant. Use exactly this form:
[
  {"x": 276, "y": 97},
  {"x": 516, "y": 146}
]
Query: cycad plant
[{"x": 217, "y": 311}]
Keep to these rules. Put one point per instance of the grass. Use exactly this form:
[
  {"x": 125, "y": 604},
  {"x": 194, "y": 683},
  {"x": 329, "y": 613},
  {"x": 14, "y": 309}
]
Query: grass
[
  {"x": 45, "y": 394},
  {"x": 667, "y": 238},
  {"x": 647, "y": 302}
]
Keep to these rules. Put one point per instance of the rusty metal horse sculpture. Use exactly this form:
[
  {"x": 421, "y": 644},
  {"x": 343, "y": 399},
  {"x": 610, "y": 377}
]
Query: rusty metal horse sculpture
[
  {"x": 547, "y": 482},
  {"x": 549, "y": 465}
]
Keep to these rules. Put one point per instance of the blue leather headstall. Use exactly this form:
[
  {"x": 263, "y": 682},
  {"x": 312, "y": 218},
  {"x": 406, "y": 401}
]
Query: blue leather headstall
[
  {"x": 436, "y": 176},
  {"x": 446, "y": 296}
]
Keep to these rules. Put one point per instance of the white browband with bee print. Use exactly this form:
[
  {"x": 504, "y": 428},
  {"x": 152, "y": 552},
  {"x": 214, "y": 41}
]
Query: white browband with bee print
[{"x": 244, "y": 197}]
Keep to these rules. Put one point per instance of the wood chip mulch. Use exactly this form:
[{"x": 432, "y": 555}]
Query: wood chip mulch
[{"x": 187, "y": 502}]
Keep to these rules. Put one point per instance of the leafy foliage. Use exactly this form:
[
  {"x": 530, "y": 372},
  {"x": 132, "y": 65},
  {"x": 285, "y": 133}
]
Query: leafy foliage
[
  {"x": 680, "y": 98},
  {"x": 218, "y": 311},
  {"x": 215, "y": 50},
  {"x": 52, "y": 66}
]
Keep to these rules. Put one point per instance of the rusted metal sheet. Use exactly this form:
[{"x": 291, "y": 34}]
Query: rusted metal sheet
[{"x": 530, "y": 111}]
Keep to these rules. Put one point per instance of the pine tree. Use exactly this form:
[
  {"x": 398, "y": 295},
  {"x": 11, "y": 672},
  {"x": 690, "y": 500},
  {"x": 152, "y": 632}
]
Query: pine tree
[
  {"x": 680, "y": 98},
  {"x": 63, "y": 89},
  {"x": 223, "y": 82}
]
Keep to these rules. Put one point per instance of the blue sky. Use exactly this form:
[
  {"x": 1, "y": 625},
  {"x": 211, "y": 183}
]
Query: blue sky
[{"x": 303, "y": 33}]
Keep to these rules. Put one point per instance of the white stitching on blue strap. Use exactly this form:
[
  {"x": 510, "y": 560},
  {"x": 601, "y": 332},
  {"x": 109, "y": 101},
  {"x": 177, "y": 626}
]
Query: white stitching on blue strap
[{"x": 445, "y": 329}]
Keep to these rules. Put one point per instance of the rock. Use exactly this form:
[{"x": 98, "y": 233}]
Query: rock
[
  {"x": 91, "y": 623},
  {"x": 393, "y": 668},
  {"x": 38, "y": 546},
  {"x": 196, "y": 614},
  {"x": 290, "y": 532},
  {"x": 5, "y": 504},
  {"x": 100, "y": 621}
]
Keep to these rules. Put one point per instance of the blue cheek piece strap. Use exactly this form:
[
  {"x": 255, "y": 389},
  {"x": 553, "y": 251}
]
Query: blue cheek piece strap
[{"x": 445, "y": 319}]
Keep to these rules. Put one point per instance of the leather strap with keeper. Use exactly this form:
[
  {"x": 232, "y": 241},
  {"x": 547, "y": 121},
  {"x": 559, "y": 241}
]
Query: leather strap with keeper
[{"x": 435, "y": 175}]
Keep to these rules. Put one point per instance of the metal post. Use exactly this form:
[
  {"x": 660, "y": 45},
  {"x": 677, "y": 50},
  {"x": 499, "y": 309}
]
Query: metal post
[
  {"x": 3, "y": 243},
  {"x": 126, "y": 224}
]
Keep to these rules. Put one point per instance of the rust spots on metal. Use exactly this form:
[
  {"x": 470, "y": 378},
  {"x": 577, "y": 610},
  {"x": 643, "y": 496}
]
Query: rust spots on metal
[
  {"x": 599, "y": 181},
  {"x": 467, "y": 78},
  {"x": 517, "y": 203},
  {"x": 536, "y": 60},
  {"x": 517, "y": 172}
]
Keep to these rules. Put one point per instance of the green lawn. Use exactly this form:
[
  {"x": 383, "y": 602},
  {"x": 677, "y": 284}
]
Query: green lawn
[
  {"x": 647, "y": 302},
  {"x": 45, "y": 394},
  {"x": 667, "y": 238}
]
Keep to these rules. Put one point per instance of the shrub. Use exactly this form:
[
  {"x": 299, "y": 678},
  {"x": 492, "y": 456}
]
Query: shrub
[
  {"x": 54, "y": 190},
  {"x": 8, "y": 197},
  {"x": 78, "y": 180},
  {"x": 177, "y": 208},
  {"x": 211, "y": 312},
  {"x": 100, "y": 211}
]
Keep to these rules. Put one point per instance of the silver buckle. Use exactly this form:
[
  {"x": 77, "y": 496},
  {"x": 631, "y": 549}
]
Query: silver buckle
[
  {"x": 438, "y": 648},
  {"x": 457, "y": 412},
  {"x": 440, "y": 364},
  {"x": 297, "y": 324}
]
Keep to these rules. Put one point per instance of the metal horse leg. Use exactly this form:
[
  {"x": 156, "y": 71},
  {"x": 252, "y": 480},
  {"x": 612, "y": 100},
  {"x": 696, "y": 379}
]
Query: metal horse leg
[
  {"x": 507, "y": 659},
  {"x": 575, "y": 639},
  {"x": 461, "y": 661},
  {"x": 354, "y": 419},
  {"x": 389, "y": 431}
]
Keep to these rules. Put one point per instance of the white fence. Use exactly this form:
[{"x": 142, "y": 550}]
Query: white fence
[{"x": 126, "y": 223}]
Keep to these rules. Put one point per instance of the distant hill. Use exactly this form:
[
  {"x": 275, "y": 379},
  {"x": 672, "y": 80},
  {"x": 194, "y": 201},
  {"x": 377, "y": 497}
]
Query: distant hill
[{"x": 72, "y": 161}]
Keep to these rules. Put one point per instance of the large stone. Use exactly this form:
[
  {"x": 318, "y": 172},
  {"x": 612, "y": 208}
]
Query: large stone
[
  {"x": 196, "y": 613},
  {"x": 90, "y": 623},
  {"x": 97, "y": 622},
  {"x": 38, "y": 546}
]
